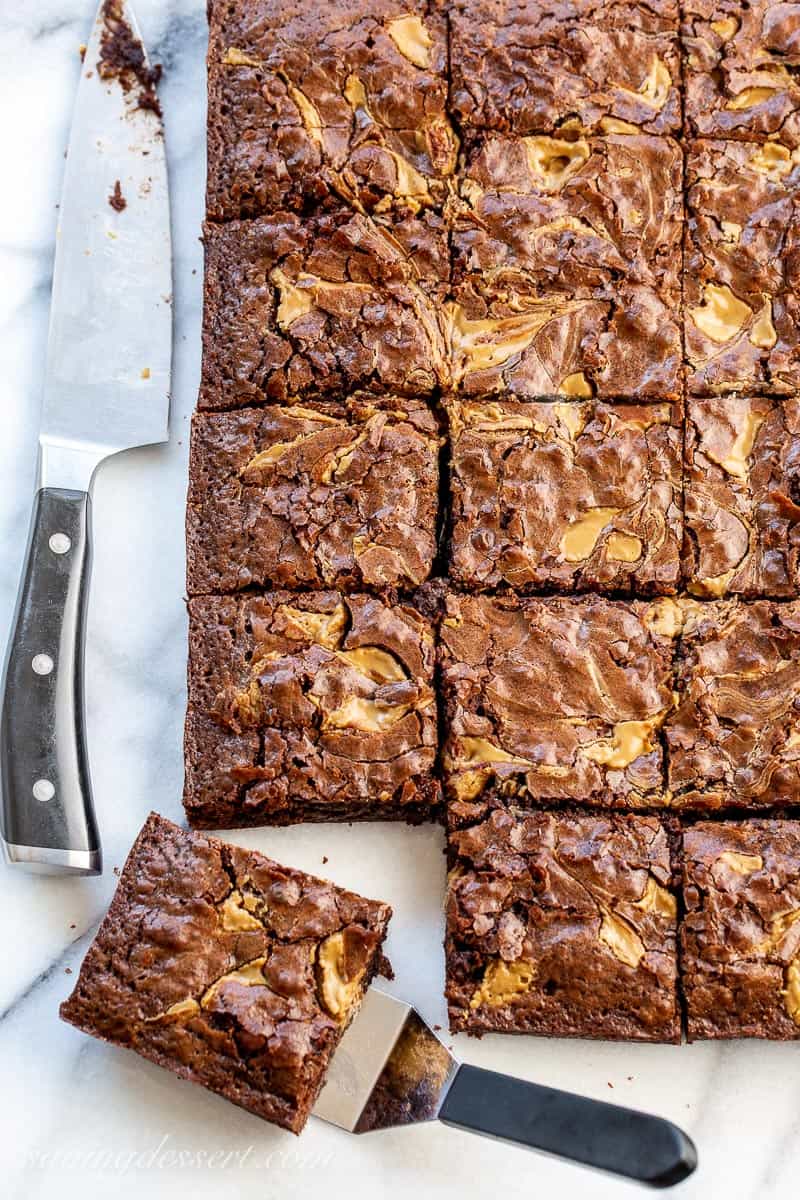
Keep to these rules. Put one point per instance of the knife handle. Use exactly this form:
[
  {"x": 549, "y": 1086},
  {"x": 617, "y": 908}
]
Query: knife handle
[
  {"x": 621, "y": 1141},
  {"x": 48, "y": 821}
]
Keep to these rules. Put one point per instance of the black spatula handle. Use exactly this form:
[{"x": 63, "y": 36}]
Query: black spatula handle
[{"x": 646, "y": 1149}]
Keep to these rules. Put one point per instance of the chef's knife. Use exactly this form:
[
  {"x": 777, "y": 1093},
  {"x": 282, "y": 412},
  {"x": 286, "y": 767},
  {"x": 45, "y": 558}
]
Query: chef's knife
[
  {"x": 390, "y": 1069},
  {"x": 106, "y": 389}
]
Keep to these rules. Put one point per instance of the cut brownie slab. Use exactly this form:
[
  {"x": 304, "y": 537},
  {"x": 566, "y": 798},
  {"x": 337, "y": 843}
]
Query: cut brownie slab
[
  {"x": 321, "y": 307},
  {"x": 342, "y": 496},
  {"x": 309, "y": 707},
  {"x": 734, "y": 737},
  {"x": 742, "y": 490},
  {"x": 567, "y": 267},
  {"x": 740, "y": 937},
  {"x": 562, "y": 925},
  {"x": 228, "y": 969},
  {"x": 740, "y": 69},
  {"x": 556, "y": 699},
  {"x": 313, "y": 103},
  {"x": 742, "y": 268},
  {"x": 529, "y": 68},
  {"x": 566, "y": 495}
]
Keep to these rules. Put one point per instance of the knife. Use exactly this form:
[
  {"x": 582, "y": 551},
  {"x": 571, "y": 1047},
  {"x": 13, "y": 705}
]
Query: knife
[
  {"x": 106, "y": 389},
  {"x": 390, "y": 1069}
]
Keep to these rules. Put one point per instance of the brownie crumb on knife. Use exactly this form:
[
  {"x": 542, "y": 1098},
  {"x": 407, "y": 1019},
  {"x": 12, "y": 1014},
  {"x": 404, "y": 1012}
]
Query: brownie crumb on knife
[
  {"x": 742, "y": 485},
  {"x": 341, "y": 495},
  {"x": 568, "y": 495},
  {"x": 229, "y": 970},
  {"x": 322, "y": 307},
  {"x": 311, "y": 105},
  {"x": 740, "y": 937},
  {"x": 557, "y": 699},
  {"x": 562, "y": 925},
  {"x": 309, "y": 706}
]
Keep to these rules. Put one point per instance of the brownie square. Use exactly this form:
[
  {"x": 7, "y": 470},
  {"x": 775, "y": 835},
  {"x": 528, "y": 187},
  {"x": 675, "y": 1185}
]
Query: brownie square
[
  {"x": 530, "y": 68},
  {"x": 228, "y": 969},
  {"x": 740, "y": 66},
  {"x": 566, "y": 496},
  {"x": 740, "y": 937},
  {"x": 742, "y": 488},
  {"x": 734, "y": 738},
  {"x": 562, "y": 925},
  {"x": 566, "y": 274},
  {"x": 742, "y": 268},
  {"x": 312, "y": 706},
  {"x": 322, "y": 307},
  {"x": 555, "y": 699},
  {"x": 344, "y": 496},
  {"x": 311, "y": 104}
]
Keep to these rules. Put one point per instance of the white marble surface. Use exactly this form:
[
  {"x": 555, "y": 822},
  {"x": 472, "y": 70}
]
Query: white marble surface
[{"x": 89, "y": 1120}]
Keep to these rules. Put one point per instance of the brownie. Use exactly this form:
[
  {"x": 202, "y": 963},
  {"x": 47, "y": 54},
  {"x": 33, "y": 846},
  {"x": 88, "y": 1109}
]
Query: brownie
[
  {"x": 566, "y": 496},
  {"x": 306, "y": 707},
  {"x": 733, "y": 740},
  {"x": 740, "y": 68},
  {"x": 740, "y": 937},
  {"x": 566, "y": 267},
  {"x": 563, "y": 925},
  {"x": 742, "y": 490},
  {"x": 344, "y": 495},
  {"x": 228, "y": 969},
  {"x": 523, "y": 67},
  {"x": 555, "y": 699},
  {"x": 311, "y": 104},
  {"x": 742, "y": 268},
  {"x": 322, "y": 306}
]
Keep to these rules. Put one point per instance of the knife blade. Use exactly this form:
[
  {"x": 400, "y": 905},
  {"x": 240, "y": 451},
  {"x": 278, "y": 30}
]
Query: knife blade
[
  {"x": 106, "y": 389},
  {"x": 390, "y": 1069}
]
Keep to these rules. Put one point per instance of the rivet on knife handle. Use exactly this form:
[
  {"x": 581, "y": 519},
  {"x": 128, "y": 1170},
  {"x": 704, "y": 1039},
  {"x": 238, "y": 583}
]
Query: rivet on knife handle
[{"x": 48, "y": 821}]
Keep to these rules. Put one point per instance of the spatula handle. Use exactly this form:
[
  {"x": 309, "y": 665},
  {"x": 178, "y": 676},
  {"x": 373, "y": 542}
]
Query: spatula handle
[
  {"x": 48, "y": 822},
  {"x": 647, "y": 1149}
]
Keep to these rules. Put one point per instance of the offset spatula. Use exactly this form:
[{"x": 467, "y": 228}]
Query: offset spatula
[
  {"x": 390, "y": 1069},
  {"x": 106, "y": 389}
]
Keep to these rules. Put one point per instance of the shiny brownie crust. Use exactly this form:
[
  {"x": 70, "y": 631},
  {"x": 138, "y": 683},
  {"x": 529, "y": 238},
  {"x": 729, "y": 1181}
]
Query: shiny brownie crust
[{"x": 228, "y": 969}]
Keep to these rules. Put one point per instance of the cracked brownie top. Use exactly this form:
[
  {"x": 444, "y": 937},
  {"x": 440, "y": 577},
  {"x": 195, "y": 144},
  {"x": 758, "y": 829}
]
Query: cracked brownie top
[
  {"x": 740, "y": 936},
  {"x": 568, "y": 495},
  {"x": 312, "y": 706},
  {"x": 741, "y": 65},
  {"x": 555, "y": 699},
  {"x": 564, "y": 925},
  {"x": 342, "y": 495},
  {"x": 228, "y": 969},
  {"x": 530, "y": 68},
  {"x": 742, "y": 487},
  {"x": 313, "y": 103}
]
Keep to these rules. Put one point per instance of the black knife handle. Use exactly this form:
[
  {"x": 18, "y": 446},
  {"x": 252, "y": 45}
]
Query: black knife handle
[
  {"x": 640, "y": 1147},
  {"x": 48, "y": 821}
]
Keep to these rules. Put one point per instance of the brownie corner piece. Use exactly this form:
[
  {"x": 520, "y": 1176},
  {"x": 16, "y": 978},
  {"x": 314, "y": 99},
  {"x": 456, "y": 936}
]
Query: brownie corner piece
[
  {"x": 341, "y": 495},
  {"x": 733, "y": 738},
  {"x": 532, "y": 68},
  {"x": 311, "y": 706},
  {"x": 310, "y": 105},
  {"x": 557, "y": 699},
  {"x": 742, "y": 268},
  {"x": 229, "y": 970},
  {"x": 740, "y": 936},
  {"x": 740, "y": 69},
  {"x": 741, "y": 490},
  {"x": 569, "y": 495},
  {"x": 562, "y": 924},
  {"x": 321, "y": 307}
]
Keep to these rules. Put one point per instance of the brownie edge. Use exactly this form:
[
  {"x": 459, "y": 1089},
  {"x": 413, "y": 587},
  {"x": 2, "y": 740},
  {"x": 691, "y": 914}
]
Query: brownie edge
[{"x": 229, "y": 970}]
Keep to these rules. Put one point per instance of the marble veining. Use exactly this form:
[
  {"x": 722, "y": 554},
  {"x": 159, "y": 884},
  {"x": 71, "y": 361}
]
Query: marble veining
[{"x": 89, "y": 1120}]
